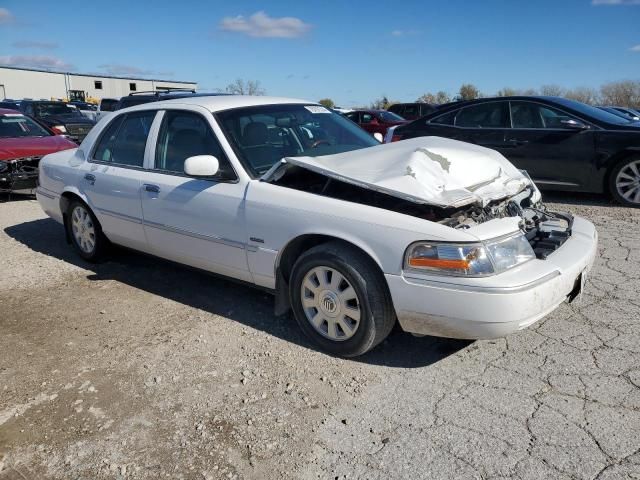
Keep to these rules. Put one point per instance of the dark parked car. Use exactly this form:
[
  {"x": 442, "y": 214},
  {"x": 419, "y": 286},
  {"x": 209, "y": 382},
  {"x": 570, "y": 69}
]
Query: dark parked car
[
  {"x": 61, "y": 117},
  {"x": 10, "y": 104},
  {"x": 23, "y": 142},
  {"x": 563, "y": 144},
  {"x": 411, "y": 111},
  {"x": 375, "y": 121}
]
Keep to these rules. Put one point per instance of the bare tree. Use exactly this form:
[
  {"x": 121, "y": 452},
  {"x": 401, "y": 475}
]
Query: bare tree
[
  {"x": 583, "y": 94},
  {"x": 552, "y": 91},
  {"x": 468, "y": 92},
  {"x": 625, "y": 93},
  {"x": 327, "y": 102},
  {"x": 434, "y": 99},
  {"x": 382, "y": 103},
  {"x": 507, "y": 92},
  {"x": 248, "y": 87}
]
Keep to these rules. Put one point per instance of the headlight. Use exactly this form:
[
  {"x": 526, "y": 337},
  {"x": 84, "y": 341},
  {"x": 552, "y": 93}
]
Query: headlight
[
  {"x": 469, "y": 259},
  {"x": 60, "y": 128}
]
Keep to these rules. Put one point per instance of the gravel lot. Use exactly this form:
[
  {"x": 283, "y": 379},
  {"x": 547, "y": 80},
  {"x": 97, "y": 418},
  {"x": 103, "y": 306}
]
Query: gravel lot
[{"x": 137, "y": 368}]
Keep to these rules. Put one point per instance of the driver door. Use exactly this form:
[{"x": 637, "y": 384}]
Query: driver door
[{"x": 194, "y": 221}]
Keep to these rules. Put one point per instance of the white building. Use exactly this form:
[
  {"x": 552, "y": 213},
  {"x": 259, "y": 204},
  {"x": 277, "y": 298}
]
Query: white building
[{"x": 17, "y": 83}]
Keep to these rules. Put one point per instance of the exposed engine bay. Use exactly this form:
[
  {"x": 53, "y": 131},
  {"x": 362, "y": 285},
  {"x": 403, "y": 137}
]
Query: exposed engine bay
[{"x": 546, "y": 231}]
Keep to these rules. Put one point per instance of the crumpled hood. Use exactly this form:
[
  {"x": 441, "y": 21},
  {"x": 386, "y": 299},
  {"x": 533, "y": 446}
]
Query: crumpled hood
[{"x": 433, "y": 170}]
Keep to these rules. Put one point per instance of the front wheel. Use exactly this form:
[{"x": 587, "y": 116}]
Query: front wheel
[
  {"x": 85, "y": 232},
  {"x": 624, "y": 182},
  {"x": 340, "y": 299}
]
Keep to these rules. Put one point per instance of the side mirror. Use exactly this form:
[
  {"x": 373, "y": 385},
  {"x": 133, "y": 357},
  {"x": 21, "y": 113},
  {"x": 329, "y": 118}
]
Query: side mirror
[
  {"x": 572, "y": 124},
  {"x": 378, "y": 136},
  {"x": 201, "y": 166}
]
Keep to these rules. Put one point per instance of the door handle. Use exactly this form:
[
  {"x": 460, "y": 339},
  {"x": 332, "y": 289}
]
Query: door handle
[
  {"x": 151, "y": 188},
  {"x": 89, "y": 177}
]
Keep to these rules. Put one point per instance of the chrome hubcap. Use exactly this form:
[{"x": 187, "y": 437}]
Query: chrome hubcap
[
  {"x": 83, "y": 230},
  {"x": 330, "y": 303},
  {"x": 628, "y": 182}
]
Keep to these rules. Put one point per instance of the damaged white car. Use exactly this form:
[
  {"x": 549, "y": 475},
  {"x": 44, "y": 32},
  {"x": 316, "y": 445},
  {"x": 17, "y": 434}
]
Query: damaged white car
[{"x": 448, "y": 238}]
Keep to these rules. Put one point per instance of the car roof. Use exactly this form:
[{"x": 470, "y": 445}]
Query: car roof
[{"x": 223, "y": 102}]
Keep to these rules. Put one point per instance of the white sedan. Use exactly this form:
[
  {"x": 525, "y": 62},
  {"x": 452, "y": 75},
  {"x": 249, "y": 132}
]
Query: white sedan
[{"x": 446, "y": 237}]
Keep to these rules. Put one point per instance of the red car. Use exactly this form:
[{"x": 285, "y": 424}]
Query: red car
[
  {"x": 375, "y": 121},
  {"x": 23, "y": 142}
]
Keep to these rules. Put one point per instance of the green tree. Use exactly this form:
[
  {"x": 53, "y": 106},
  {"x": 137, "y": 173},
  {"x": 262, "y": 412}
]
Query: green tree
[{"x": 327, "y": 102}]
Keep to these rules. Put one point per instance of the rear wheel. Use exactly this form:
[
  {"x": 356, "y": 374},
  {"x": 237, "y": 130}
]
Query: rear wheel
[
  {"x": 624, "y": 182},
  {"x": 340, "y": 299},
  {"x": 85, "y": 232}
]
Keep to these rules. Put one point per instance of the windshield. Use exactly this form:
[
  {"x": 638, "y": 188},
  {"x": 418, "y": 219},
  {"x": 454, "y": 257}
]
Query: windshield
[
  {"x": 264, "y": 135},
  {"x": 15, "y": 126},
  {"x": 593, "y": 112},
  {"x": 390, "y": 117},
  {"x": 50, "y": 109}
]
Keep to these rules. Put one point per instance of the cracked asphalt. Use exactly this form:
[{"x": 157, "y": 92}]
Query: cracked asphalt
[{"x": 137, "y": 368}]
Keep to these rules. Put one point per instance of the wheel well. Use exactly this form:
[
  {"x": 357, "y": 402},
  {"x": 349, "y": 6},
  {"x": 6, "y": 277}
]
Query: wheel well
[
  {"x": 614, "y": 162},
  {"x": 301, "y": 244},
  {"x": 65, "y": 199}
]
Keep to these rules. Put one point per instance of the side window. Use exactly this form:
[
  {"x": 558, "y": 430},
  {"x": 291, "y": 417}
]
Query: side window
[
  {"x": 125, "y": 139},
  {"x": 411, "y": 111},
  {"x": 183, "y": 135},
  {"x": 366, "y": 118},
  {"x": 533, "y": 115},
  {"x": 552, "y": 118},
  {"x": 353, "y": 116},
  {"x": 484, "y": 115},
  {"x": 445, "y": 119}
]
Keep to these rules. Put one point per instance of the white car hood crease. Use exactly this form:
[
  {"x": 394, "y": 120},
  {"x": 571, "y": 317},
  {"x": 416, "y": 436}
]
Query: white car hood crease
[{"x": 429, "y": 170}]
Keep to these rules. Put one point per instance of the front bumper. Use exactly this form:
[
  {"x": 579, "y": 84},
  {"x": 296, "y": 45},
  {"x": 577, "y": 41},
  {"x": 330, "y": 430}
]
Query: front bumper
[{"x": 495, "y": 306}]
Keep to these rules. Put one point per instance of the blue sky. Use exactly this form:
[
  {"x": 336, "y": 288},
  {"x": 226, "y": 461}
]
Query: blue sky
[{"x": 352, "y": 52}]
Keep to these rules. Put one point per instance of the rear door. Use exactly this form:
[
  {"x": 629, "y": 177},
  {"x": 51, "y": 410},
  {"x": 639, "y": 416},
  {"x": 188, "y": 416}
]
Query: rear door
[
  {"x": 555, "y": 156},
  {"x": 113, "y": 175}
]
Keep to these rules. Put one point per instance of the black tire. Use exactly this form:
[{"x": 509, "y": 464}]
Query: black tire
[
  {"x": 100, "y": 244},
  {"x": 615, "y": 192},
  {"x": 377, "y": 316}
]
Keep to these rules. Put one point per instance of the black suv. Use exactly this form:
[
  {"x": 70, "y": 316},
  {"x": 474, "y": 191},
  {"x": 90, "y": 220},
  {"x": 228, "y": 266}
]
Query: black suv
[
  {"x": 138, "y": 98},
  {"x": 61, "y": 117}
]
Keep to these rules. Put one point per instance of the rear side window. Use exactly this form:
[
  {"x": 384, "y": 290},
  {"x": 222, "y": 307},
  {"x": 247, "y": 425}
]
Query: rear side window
[
  {"x": 366, "y": 118},
  {"x": 485, "y": 115},
  {"x": 183, "y": 135},
  {"x": 397, "y": 109},
  {"x": 445, "y": 119},
  {"x": 125, "y": 139},
  {"x": 108, "y": 105},
  {"x": 411, "y": 111}
]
